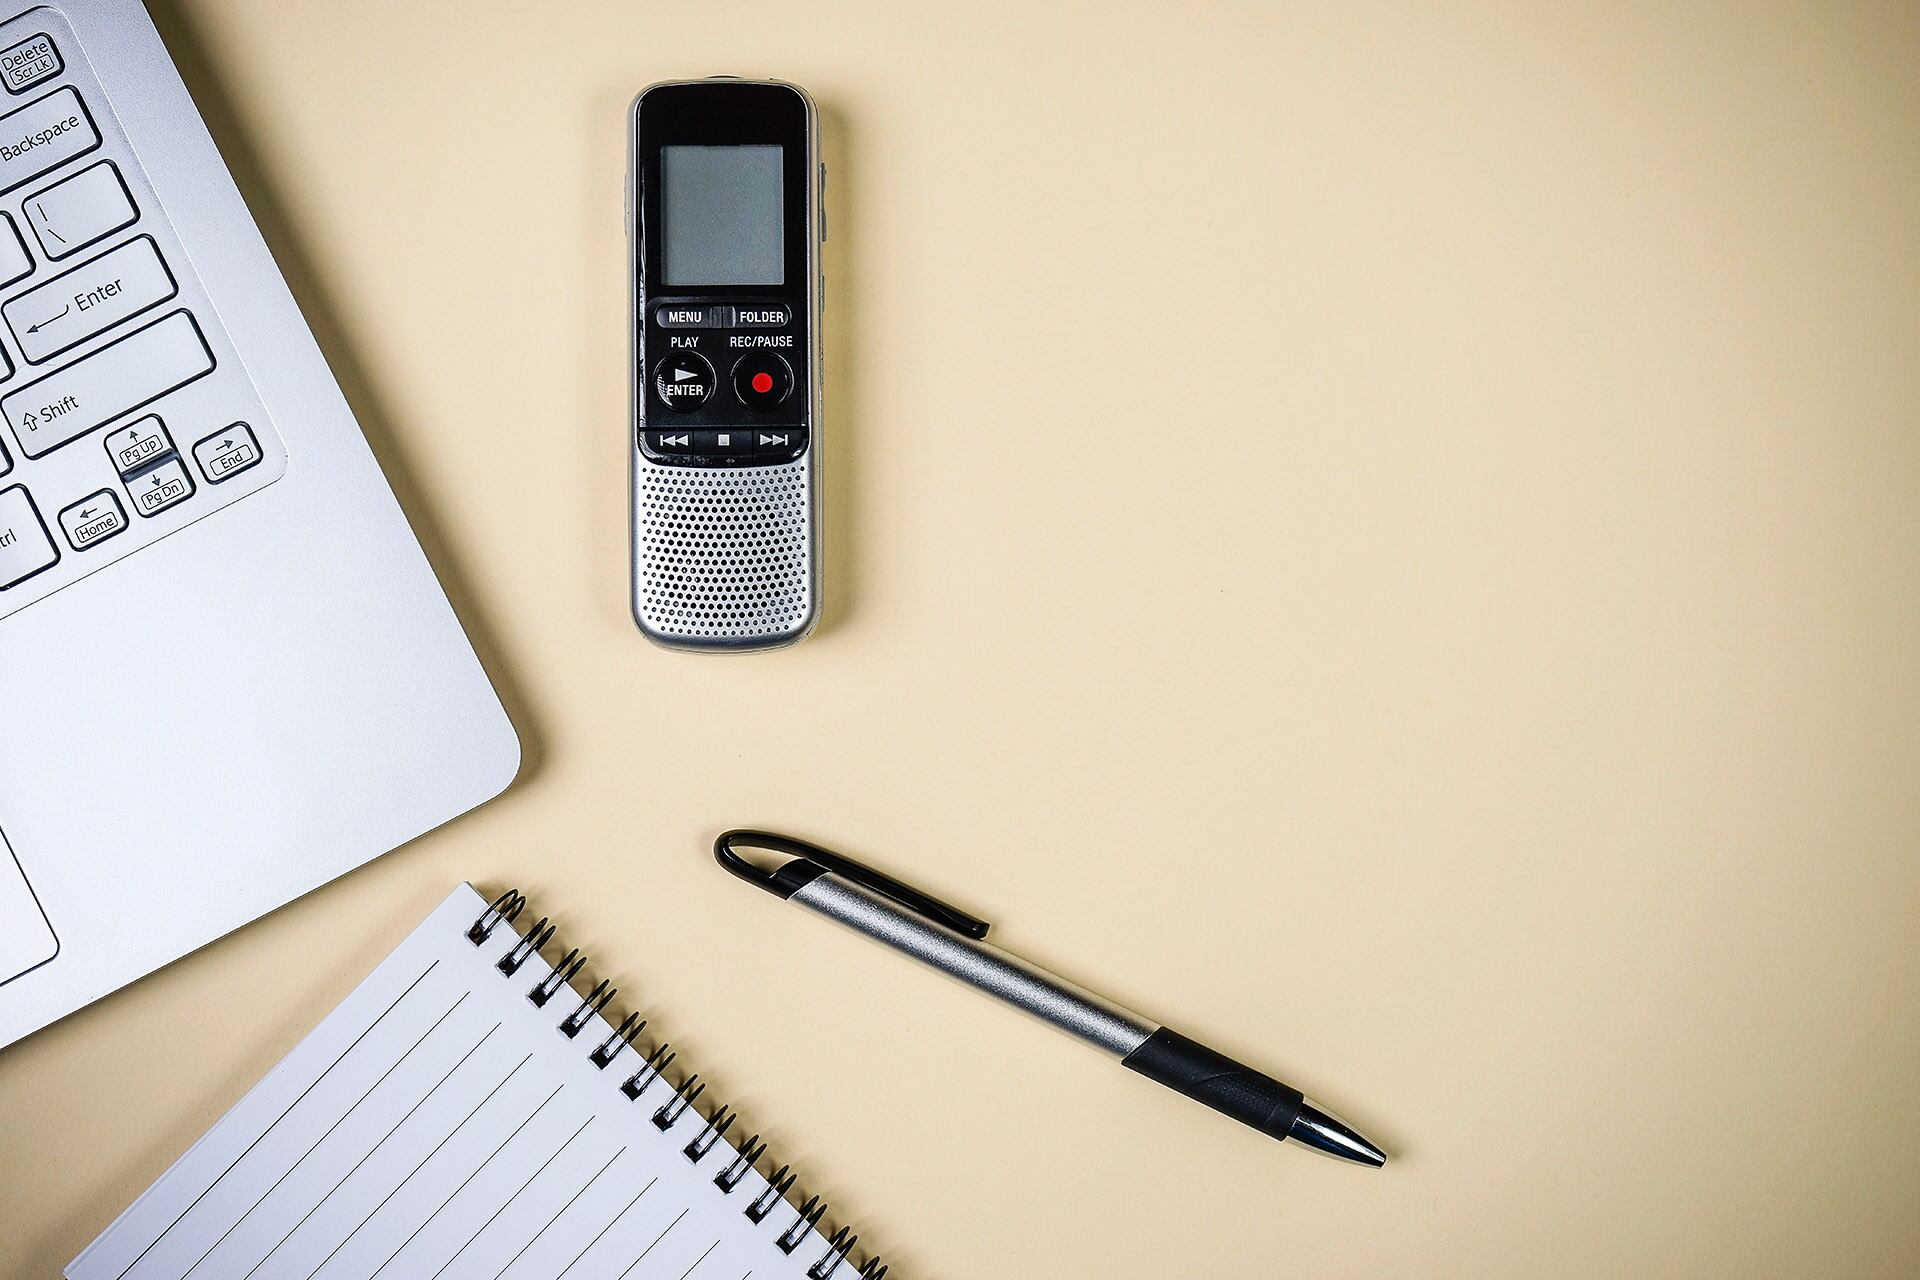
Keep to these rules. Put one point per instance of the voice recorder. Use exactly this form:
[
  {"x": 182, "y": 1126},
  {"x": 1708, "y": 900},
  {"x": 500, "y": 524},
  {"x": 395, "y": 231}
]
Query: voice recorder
[{"x": 725, "y": 222}]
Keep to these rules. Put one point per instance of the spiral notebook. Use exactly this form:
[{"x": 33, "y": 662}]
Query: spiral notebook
[{"x": 466, "y": 1113}]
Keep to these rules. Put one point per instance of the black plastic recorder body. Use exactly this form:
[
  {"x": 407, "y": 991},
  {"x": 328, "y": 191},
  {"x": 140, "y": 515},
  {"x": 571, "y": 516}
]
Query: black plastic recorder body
[{"x": 725, "y": 221}]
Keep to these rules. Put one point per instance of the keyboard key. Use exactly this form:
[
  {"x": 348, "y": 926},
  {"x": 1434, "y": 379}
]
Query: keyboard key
[
  {"x": 15, "y": 261},
  {"x": 117, "y": 379},
  {"x": 25, "y": 546},
  {"x": 74, "y": 212},
  {"x": 227, "y": 453},
  {"x": 6, "y": 463},
  {"x": 161, "y": 487},
  {"x": 139, "y": 444},
  {"x": 93, "y": 519},
  {"x": 26, "y": 64},
  {"x": 43, "y": 135},
  {"x": 91, "y": 298}
]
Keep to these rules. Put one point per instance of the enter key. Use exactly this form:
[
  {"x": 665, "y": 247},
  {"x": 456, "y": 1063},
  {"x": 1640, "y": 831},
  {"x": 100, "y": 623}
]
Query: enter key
[{"x": 91, "y": 298}]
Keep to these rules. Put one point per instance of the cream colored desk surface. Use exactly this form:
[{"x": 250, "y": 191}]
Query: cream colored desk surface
[{"x": 1385, "y": 535}]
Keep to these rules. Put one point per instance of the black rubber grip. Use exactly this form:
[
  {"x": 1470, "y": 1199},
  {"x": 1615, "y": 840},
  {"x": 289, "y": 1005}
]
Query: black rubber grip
[{"x": 1217, "y": 1080}]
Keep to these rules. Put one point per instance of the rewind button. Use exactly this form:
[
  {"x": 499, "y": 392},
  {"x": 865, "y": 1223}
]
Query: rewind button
[{"x": 674, "y": 443}]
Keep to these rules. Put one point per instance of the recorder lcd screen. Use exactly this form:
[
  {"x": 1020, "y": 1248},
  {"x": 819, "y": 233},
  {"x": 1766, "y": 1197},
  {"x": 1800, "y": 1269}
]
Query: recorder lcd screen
[{"x": 724, "y": 215}]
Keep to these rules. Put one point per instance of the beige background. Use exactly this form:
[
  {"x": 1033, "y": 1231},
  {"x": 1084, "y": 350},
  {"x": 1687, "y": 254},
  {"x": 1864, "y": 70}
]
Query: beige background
[{"x": 1384, "y": 535}]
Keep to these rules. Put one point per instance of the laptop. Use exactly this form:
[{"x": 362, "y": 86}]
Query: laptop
[{"x": 227, "y": 672}]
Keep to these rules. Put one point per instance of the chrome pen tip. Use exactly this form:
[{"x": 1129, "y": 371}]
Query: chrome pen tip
[{"x": 1330, "y": 1135}]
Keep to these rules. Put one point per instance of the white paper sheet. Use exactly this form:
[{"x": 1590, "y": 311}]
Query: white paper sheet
[{"x": 439, "y": 1126}]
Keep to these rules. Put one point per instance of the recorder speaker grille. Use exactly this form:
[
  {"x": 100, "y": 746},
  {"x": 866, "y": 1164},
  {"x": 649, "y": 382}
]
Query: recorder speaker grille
[{"x": 723, "y": 552}]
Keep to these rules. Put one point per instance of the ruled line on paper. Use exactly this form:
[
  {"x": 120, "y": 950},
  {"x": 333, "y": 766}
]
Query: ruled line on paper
[
  {"x": 562, "y": 1209},
  {"x": 495, "y": 1217},
  {"x": 610, "y": 1223},
  {"x": 282, "y": 1116},
  {"x": 423, "y": 1164},
  {"x": 697, "y": 1261},
  {"x": 649, "y": 1249},
  {"x": 357, "y": 1164},
  {"x": 338, "y": 1121},
  {"x": 464, "y": 1181}
]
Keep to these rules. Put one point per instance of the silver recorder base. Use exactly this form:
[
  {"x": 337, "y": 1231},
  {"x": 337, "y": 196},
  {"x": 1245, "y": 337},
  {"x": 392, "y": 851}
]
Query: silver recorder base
[{"x": 723, "y": 557}]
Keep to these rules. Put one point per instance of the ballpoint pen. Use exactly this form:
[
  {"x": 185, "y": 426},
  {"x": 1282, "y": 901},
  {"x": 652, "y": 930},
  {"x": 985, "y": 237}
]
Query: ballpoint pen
[{"x": 900, "y": 916}]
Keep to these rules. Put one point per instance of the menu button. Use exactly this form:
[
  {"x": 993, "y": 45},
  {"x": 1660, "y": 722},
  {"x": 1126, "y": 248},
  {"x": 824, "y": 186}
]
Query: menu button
[{"x": 678, "y": 316}]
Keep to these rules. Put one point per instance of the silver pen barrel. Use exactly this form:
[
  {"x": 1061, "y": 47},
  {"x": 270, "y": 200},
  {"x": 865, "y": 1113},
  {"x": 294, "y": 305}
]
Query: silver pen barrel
[{"x": 1053, "y": 1000}]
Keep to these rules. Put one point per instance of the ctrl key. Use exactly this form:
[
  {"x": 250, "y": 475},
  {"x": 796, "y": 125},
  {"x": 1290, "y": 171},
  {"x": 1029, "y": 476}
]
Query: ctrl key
[
  {"x": 26, "y": 547},
  {"x": 161, "y": 487}
]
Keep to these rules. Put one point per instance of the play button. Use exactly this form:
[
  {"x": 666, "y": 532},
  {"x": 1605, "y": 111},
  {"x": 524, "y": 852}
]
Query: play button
[{"x": 683, "y": 380}]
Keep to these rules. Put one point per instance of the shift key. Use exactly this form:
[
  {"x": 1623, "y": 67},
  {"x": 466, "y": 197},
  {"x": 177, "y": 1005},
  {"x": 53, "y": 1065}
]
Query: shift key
[
  {"x": 120, "y": 377},
  {"x": 90, "y": 299}
]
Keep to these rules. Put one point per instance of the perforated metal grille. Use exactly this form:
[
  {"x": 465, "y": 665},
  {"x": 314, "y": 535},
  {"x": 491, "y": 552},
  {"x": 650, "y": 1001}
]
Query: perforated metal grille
[{"x": 723, "y": 553}]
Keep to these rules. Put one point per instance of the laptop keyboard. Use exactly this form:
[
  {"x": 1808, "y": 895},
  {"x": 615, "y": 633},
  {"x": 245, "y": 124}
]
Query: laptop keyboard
[{"x": 125, "y": 413}]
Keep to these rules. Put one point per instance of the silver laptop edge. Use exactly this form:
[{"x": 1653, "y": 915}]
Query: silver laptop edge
[{"x": 261, "y": 700}]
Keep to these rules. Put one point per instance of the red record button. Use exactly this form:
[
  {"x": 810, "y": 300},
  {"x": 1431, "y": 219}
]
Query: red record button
[{"x": 762, "y": 380}]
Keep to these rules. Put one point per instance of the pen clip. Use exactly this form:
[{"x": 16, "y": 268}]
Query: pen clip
[{"x": 812, "y": 860}]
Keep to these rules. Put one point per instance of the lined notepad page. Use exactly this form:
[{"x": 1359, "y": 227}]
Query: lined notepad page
[{"x": 438, "y": 1125}]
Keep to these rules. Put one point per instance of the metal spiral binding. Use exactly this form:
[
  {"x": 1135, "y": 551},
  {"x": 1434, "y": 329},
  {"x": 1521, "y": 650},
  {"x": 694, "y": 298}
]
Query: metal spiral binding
[
  {"x": 506, "y": 909},
  {"x": 590, "y": 1005},
  {"x": 777, "y": 1187},
  {"x": 683, "y": 1097},
  {"x": 806, "y": 1220},
  {"x": 750, "y": 1151},
  {"x": 563, "y": 973},
  {"x": 837, "y": 1250},
  {"x": 622, "y": 1038},
  {"x": 537, "y": 937},
  {"x": 715, "y": 1129},
  {"x": 656, "y": 1062}
]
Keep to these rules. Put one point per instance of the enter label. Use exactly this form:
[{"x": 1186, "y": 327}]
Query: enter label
[{"x": 91, "y": 298}]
